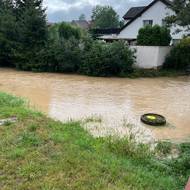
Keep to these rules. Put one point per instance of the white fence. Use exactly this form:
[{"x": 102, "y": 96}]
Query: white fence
[{"x": 150, "y": 57}]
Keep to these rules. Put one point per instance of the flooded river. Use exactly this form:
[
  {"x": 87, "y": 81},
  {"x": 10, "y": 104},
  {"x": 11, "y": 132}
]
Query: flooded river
[{"x": 74, "y": 97}]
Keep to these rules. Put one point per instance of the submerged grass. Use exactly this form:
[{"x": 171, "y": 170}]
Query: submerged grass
[{"x": 37, "y": 152}]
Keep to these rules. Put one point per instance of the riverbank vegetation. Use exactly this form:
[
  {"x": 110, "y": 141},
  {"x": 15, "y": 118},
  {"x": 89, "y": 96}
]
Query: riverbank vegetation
[
  {"x": 179, "y": 57},
  {"x": 33, "y": 46},
  {"x": 153, "y": 73},
  {"x": 37, "y": 152},
  {"x": 28, "y": 43}
]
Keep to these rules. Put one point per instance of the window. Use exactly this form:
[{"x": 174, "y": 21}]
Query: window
[{"x": 147, "y": 22}]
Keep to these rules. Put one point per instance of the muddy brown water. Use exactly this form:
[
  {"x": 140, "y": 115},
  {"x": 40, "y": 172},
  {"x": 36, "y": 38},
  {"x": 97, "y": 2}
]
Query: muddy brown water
[{"x": 74, "y": 97}]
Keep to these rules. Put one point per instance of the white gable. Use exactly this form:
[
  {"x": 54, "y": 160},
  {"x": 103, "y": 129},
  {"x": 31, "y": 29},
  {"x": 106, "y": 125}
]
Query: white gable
[{"x": 157, "y": 13}]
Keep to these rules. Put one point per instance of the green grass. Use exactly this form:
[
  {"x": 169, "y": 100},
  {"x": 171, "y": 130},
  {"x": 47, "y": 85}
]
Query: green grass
[{"x": 37, "y": 152}]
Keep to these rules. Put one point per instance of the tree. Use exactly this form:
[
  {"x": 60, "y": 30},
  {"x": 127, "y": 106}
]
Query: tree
[
  {"x": 7, "y": 33},
  {"x": 182, "y": 13},
  {"x": 32, "y": 30},
  {"x": 32, "y": 23},
  {"x": 105, "y": 17},
  {"x": 82, "y": 17}
]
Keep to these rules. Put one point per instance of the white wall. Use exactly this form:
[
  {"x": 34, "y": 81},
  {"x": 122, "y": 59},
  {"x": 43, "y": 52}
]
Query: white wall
[
  {"x": 150, "y": 57},
  {"x": 156, "y": 13}
]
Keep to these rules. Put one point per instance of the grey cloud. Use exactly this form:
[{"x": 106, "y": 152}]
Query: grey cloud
[{"x": 67, "y": 10}]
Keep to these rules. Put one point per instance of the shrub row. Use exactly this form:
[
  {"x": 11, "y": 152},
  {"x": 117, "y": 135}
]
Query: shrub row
[
  {"x": 69, "y": 49},
  {"x": 82, "y": 56},
  {"x": 179, "y": 58},
  {"x": 107, "y": 59}
]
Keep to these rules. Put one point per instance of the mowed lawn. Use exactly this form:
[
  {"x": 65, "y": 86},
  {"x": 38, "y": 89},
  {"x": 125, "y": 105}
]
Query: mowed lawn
[{"x": 37, "y": 152}]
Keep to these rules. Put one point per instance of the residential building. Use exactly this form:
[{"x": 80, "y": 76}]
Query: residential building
[{"x": 153, "y": 14}]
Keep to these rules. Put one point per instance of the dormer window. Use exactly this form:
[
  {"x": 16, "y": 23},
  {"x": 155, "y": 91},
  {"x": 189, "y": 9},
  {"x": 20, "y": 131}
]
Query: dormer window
[{"x": 147, "y": 22}]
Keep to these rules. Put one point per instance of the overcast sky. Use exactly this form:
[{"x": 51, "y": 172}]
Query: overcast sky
[{"x": 67, "y": 10}]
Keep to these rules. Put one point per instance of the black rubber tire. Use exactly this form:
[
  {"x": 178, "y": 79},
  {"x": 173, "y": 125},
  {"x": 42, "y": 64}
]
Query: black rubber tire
[{"x": 159, "y": 121}]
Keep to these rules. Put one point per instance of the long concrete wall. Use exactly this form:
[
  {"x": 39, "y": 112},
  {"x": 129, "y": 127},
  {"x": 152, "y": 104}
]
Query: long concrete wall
[{"x": 150, "y": 57}]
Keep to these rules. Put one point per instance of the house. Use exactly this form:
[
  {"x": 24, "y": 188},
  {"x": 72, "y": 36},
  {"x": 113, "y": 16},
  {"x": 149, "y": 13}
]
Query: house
[
  {"x": 154, "y": 13},
  {"x": 132, "y": 12},
  {"x": 81, "y": 23}
]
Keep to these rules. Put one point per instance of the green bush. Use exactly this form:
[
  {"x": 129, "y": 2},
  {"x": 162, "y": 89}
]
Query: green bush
[
  {"x": 59, "y": 57},
  {"x": 86, "y": 57},
  {"x": 69, "y": 56},
  {"x": 64, "y": 31},
  {"x": 53, "y": 32},
  {"x": 179, "y": 58},
  {"x": 107, "y": 59},
  {"x": 62, "y": 52},
  {"x": 154, "y": 36},
  {"x": 26, "y": 61},
  {"x": 67, "y": 31}
]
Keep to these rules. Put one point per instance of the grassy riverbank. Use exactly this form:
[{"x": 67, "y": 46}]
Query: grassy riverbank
[
  {"x": 153, "y": 73},
  {"x": 37, "y": 152},
  {"x": 136, "y": 73}
]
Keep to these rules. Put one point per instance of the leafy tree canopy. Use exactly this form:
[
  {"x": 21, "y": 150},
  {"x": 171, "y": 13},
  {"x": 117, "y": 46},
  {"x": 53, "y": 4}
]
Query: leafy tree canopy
[
  {"x": 32, "y": 27},
  {"x": 105, "y": 17},
  {"x": 182, "y": 13},
  {"x": 23, "y": 32},
  {"x": 8, "y": 32},
  {"x": 67, "y": 31}
]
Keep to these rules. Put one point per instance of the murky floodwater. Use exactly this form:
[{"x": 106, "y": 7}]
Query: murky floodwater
[{"x": 71, "y": 96}]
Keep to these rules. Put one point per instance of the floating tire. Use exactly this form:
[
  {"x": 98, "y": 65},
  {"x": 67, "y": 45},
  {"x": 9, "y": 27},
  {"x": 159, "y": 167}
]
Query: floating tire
[{"x": 153, "y": 119}]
